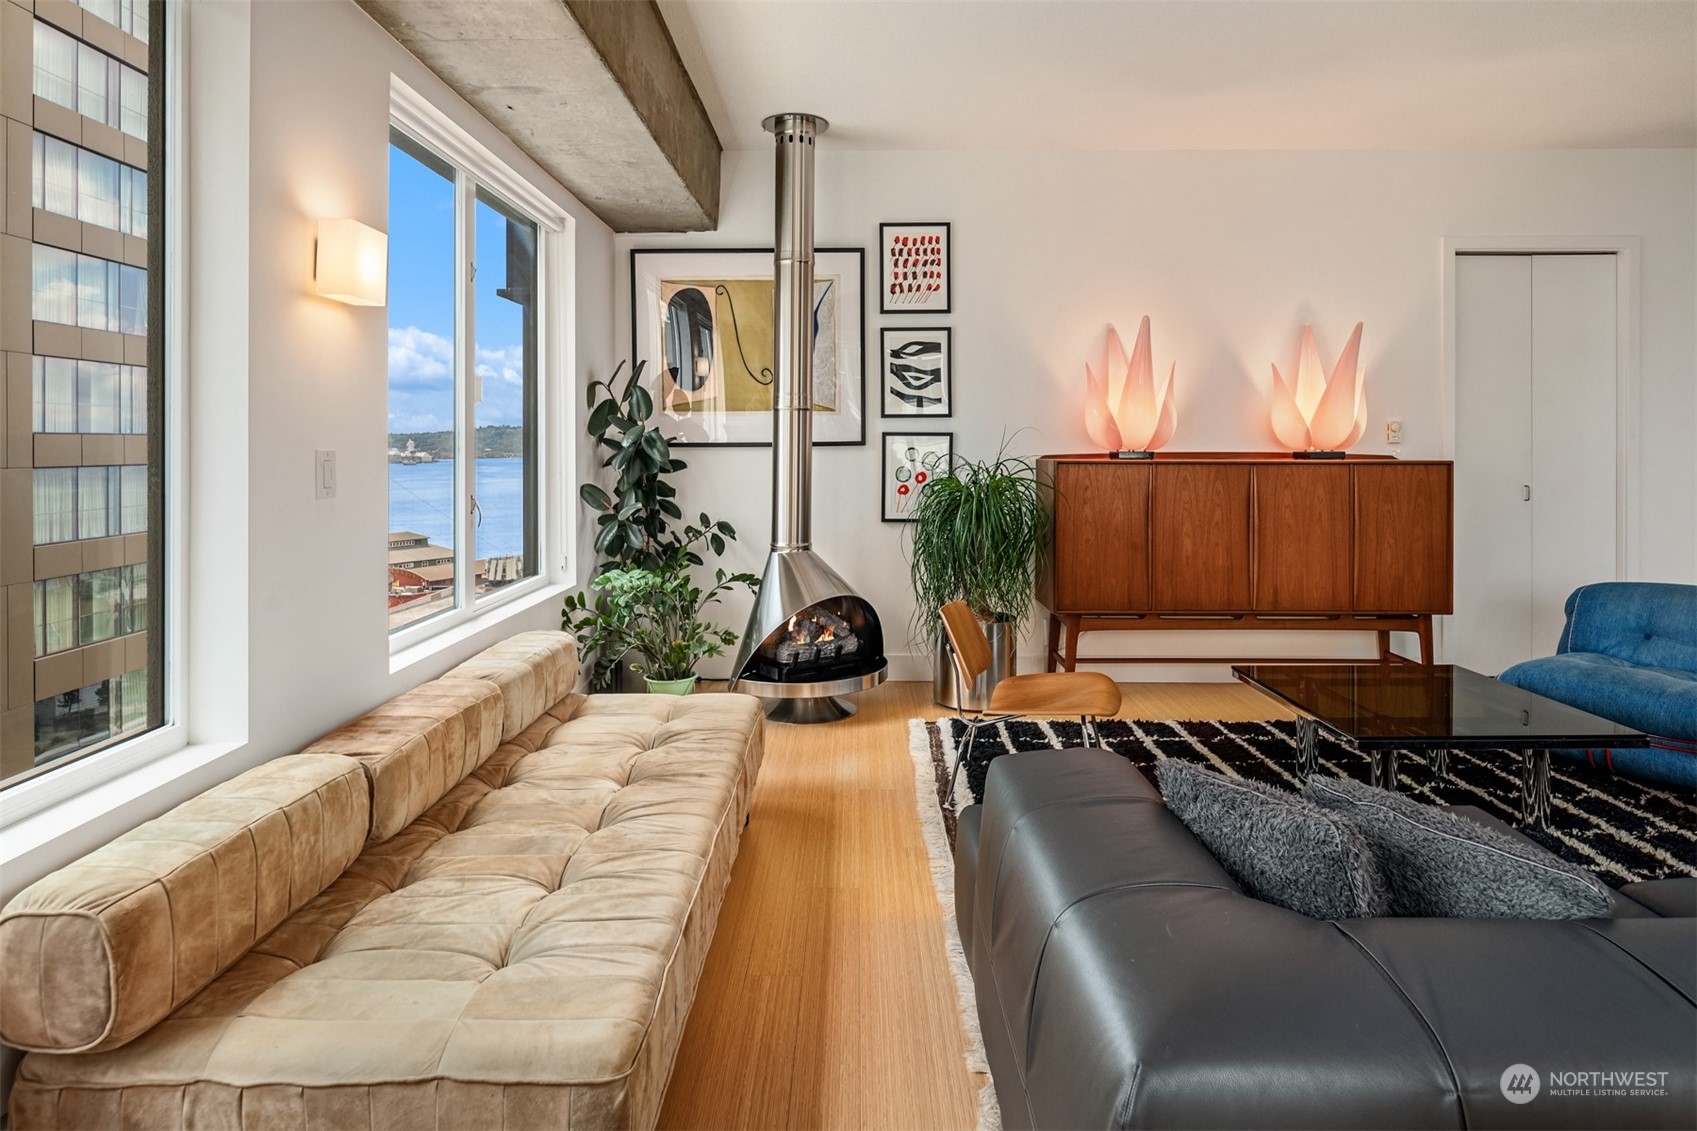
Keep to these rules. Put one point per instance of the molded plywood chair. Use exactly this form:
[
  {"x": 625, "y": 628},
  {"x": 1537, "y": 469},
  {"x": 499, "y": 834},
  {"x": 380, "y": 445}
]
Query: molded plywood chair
[{"x": 1089, "y": 695}]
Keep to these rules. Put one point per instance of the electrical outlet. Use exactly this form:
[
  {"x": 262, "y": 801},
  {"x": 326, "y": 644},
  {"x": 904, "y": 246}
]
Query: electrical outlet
[
  {"x": 324, "y": 474},
  {"x": 1393, "y": 431}
]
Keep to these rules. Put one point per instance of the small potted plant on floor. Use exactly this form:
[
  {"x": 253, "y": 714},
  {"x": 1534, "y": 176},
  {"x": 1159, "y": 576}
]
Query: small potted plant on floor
[
  {"x": 655, "y": 614},
  {"x": 975, "y": 536}
]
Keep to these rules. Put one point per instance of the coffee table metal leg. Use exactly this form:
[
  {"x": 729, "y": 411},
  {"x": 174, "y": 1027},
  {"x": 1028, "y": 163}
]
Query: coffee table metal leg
[
  {"x": 1306, "y": 758},
  {"x": 1441, "y": 763},
  {"x": 1535, "y": 788},
  {"x": 1384, "y": 768}
]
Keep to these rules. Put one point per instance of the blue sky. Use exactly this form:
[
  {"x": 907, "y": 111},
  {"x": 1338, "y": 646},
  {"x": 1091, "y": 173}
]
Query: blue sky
[{"x": 421, "y": 306}]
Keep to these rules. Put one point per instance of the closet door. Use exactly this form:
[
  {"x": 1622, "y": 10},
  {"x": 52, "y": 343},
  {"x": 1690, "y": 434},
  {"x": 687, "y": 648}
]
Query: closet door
[
  {"x": 1492, "y": 626},
  {"x": 1573, "y": 436},
  {"x": 1536, "y": 467}
]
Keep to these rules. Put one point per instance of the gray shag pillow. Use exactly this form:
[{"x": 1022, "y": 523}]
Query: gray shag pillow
[
  {"x": 1277, "y": 846},
  {"x": 1438, "y": 865}
]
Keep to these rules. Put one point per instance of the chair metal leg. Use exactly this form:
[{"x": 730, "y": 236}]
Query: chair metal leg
[{"x": 962, "y": 755}]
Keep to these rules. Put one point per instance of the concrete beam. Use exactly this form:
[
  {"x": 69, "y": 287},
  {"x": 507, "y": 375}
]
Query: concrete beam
[{"x": 592, "y": 90}]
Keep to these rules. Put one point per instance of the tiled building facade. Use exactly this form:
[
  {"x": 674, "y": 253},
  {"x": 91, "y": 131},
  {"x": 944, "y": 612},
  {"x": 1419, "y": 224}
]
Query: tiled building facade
[{"x": 75, "y": 495}]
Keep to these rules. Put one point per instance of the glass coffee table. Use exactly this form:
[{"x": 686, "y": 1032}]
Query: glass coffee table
[{"x": 1384, "y": 708}]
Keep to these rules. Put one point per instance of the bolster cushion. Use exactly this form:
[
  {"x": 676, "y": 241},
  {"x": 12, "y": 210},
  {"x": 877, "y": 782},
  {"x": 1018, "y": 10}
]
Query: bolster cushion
[
  {"x": 418, "y": 746},
  {"x": 534, "y": 671},
  {"x": 97, "y": 953}
]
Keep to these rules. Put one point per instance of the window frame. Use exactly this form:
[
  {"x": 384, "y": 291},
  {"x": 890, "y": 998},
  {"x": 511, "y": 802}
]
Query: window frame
[
  {"x": 168, "y": 417},
  {"x": 476, "y": 166}
]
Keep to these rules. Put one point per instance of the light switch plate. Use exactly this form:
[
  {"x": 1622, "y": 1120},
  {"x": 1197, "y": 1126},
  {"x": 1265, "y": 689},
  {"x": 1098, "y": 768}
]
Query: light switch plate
[
  {"x": 324, "y": 474},
  {"x": 1393, "y": 431}
]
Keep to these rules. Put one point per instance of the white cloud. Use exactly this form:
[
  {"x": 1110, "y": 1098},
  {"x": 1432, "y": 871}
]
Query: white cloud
[
  {"x": 421, "y": 378},
  {"x": 418, "y": 357},
  {"x": 501, "y": 365},
  {"x": 418, "y": 422}
]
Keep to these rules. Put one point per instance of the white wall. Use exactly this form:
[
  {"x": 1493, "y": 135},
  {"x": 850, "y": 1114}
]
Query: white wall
[
  {"x": 1229, "y": 254},
  {"x": 288, "y": 634}
]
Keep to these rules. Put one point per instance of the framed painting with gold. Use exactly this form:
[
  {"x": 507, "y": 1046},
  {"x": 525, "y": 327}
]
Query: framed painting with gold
[{"x": 702, "y": 320}]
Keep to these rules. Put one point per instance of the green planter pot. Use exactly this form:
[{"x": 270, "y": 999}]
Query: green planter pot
[{"x": 670, "y": 686}]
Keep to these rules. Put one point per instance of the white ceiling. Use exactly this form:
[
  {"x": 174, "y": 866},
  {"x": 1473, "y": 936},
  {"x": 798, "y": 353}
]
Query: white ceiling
[{"x": 1199, "y": 74}]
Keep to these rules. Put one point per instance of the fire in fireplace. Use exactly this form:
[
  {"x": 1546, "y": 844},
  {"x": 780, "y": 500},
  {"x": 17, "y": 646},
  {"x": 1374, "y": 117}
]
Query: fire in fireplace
[{"x": 827, "y": 641}]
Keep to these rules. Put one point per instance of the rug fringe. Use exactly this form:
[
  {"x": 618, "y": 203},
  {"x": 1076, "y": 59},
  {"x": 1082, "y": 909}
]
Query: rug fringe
[{"x": 942, "y": 866}]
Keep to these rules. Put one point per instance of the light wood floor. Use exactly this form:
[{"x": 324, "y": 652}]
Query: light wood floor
[{"x": 826, "y": 1001}]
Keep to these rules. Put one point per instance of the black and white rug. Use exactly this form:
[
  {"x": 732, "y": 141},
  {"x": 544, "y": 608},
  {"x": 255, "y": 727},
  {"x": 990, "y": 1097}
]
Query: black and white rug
[{"x": 1618, "y": 827}]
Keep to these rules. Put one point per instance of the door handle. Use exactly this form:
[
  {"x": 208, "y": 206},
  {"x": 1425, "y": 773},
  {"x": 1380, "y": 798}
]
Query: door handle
[{"x": 1526, "y": 492}]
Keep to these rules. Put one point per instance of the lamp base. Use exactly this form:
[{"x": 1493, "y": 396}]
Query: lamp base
[
  {"x": 1131, "y": 455},
  {"x": 1316, "y": 455}
]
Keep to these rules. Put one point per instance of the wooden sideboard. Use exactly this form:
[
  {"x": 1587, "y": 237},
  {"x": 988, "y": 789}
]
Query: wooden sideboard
[{"x": 1228, "y": 540}]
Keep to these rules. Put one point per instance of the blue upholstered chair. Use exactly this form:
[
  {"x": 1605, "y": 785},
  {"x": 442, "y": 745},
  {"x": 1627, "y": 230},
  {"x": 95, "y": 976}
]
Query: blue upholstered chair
[{"x": 1629, "y": 654}]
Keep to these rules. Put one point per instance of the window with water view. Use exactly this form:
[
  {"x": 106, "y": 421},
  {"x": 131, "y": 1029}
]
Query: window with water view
[{"x": 463, "y": 348}]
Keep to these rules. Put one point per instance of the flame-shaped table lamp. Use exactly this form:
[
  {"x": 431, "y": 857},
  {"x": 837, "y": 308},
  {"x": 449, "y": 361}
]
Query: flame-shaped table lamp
[
  {"x": 1321, "y": 416},
  {"x": 1144, "y": 420}
]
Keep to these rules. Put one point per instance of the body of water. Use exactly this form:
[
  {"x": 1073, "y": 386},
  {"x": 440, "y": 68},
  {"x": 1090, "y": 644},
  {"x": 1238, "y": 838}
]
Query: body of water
[{"x": 421, "y": 498}]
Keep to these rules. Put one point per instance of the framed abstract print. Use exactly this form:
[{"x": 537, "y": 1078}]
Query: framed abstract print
[
  {"x": 702, "y": 320},
  {"x": 915, "y": 368},
  {"x": 913, "y": 268},
  {"x": 911, "y": 461}
]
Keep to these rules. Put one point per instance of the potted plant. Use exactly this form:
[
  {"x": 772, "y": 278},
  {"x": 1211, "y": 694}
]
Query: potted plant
[
  {"x": 656, "y": 614},
  {"x": 634, "y": 524},
  {"x": 975, "y": 536}
]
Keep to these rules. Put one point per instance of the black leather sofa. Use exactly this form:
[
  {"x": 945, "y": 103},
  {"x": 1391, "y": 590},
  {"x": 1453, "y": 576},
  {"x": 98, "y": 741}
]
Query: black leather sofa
[{"x": 1124, "y": 981}]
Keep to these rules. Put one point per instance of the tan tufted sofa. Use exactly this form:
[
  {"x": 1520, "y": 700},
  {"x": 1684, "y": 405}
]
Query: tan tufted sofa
[{"x": 483, "y": 905}]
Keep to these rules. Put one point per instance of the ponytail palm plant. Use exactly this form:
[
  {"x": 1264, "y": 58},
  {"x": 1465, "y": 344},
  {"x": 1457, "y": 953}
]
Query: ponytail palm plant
[{"x": 975, "y": 537}]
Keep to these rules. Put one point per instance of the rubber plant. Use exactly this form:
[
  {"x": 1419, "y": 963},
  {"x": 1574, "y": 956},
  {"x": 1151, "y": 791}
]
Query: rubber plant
[
  {"x": 634, "y": 527},
  {"x": 975, "y": 536},
  {"x": 639, "y": 523}
]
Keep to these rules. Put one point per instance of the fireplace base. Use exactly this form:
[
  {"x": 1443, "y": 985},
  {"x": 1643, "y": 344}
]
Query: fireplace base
[
  {"x": 812, "y": 702},
  {"x": 825, "y": 709}
]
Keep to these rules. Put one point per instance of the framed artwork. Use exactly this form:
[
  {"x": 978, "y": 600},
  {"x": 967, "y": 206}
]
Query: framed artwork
[
  {"x": 702, "y": 320},
  {"x": 913, "y": 268},
  {"x": 916, "y": 372},
  {"x": 911, "y": 461}
]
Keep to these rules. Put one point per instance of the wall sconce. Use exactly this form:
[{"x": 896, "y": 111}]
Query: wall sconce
[
  {"x": 1316, "y": 416},
  {"x": 1144, "y": 419},
  {"x": 352, "y": 263}
]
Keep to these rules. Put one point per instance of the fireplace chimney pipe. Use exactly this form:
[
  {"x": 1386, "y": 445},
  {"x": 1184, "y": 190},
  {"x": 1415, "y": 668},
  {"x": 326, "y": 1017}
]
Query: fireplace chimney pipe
[
  {"x": 792, "y": 319},
  {"x": 797, "y": 584}
]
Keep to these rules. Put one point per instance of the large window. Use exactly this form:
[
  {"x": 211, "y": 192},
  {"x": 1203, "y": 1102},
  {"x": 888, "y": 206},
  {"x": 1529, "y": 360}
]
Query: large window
[
  {"x": 90, "y": 672},
  {"x": 94, "y": 294},
  {"x": 464, "y": 343},
  {"x": 87, "y": 186},
  {"x": 79, "y": 77},
  {"x": 130, "y": 15},
  {"x": 74, "y": 504},
  {"x": 89, "y": 608},
  {"x": 90, "y": 397}
]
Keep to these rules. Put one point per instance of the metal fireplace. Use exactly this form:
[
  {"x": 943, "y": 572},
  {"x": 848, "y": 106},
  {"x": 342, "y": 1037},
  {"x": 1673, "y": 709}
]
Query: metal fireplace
[{"x": 811, "y": 639}]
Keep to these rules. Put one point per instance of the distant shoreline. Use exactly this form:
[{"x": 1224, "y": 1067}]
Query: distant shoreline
[
  {"x": 492, "y": 441},
  {"x": 436, "y": 457}
]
